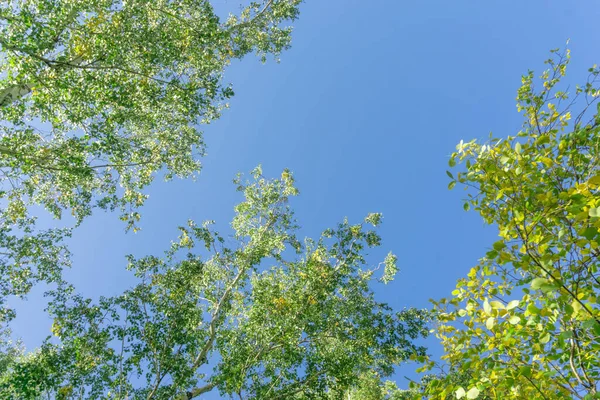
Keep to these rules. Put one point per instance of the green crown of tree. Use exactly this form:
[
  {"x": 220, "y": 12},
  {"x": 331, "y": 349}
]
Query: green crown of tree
[
  {"x": 525, "y": 322},
  {"x": 96, "y": 98},
  {"x": 275, "y": 317}
]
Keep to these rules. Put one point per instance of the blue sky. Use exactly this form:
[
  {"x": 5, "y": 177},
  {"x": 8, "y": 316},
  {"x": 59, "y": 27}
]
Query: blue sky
[{"x": 365, "y": 109}]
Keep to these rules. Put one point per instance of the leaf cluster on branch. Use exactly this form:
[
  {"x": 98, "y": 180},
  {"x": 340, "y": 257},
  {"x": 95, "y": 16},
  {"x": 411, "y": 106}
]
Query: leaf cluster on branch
[{"x": 525, "y": 321}]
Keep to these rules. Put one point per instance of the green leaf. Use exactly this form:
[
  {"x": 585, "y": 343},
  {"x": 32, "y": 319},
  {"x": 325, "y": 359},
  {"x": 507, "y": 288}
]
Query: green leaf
[
  {"x": 490, "y": 323},
  {"x": 590, "y": 324},
  {"x": 518, "y": 171},
  {"x": 451, "y": 185},
  {"x": 549, "y": 287},
  {"x": 460, "y": 393},
  {"x": 566, "y": 335},
  {"x": 594, "y": 180},
  {"x": 450, "y": 174},
  {"x": 545, "y": 338},
  {"x": 543, "y": 139},
  {"x": 499, "y": 245},
  {"x": 525, "y": 371},
  {"x": 532, "y": 309},
  {"x": 537, "y": 283},
  {"x": 589, "y": 233},
  {"x": 518, "y": 147},
  {"x": 594, "y": 212}
]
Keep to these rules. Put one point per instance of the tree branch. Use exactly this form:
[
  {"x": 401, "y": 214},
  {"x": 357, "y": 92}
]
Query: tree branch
[{"x": 196, "y": 392}]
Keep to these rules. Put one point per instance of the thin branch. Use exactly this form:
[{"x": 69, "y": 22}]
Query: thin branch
[
  {"x": 590, "y": 385},
  {"x": 254, "y": 19},
  {"x": 572, "y": 364}
]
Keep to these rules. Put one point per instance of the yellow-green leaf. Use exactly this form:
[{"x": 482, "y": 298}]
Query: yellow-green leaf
[
  {"x": 547, "y": 161},
  {"x": 486, "y": 307},
  {"x": 473, "y": 393},
  {"x": 532, "y": 309},
  {"x": 512, "y": 304},
  {"x": 595, "y": 180},
  {"x": 496, "y": 305},
  {"x": 576, "y": 307},
  {"x": 538, "y": 283}
]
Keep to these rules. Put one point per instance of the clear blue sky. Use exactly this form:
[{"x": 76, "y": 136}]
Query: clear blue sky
[{"x": 365, "y": 109}]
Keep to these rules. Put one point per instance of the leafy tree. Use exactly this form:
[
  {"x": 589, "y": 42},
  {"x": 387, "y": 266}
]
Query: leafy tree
[
  {"x": 9, "y": 352},
  {"x": 96, "y": 97},
  {"x": 526, "y": 320},
  {"x": 371, "y": 387},
  {"x": 428, "y": 386},
  {"x": 256, "y": 315}
]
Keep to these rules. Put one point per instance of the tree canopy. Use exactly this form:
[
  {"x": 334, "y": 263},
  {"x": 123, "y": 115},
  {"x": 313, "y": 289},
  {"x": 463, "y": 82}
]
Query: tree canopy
[
  {"x": 97, "y": 97},
  {"x": 100, "y": 97},
  {"x": 525, "y": 321},
  {"x": 258, "y": 315}
]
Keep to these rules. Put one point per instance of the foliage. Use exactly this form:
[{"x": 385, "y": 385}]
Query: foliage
[
  {"x": 97, "y": 96},
  {"x": 371, "y": 387},
  {"x": 457, "y": 377},
  {"x": 9, "y": 351},
  {"x": 526, "y": 320},
  {"x": 272, "y": 316}
]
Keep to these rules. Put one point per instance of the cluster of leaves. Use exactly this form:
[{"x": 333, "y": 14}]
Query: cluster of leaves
[
  {"x": 272, "y": 316},
  {"x": 525, "y": 322},
  {"x": 97, "y": 96}
]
